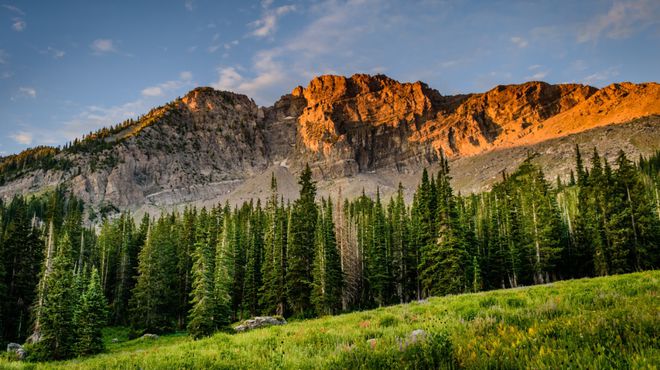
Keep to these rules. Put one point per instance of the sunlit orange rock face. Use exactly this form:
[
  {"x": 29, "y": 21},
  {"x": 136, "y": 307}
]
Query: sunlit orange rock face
[
  {"x": 367, "y": 122},
  {"x": 354, "y": 123}
]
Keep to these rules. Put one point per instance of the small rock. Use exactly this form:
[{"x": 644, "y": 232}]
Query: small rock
[
  {"x": 115, "y": 340},
  {"x": 16, "y": 348},
  {"x": 150, "y": 336},
  {"x": 259, "y": 322},
  {"x": 13, "y": 347},
  {"x": 418, "y": 335}
]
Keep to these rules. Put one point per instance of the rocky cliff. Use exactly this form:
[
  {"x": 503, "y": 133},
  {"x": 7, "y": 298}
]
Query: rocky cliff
[{"x": 212, "y": 145}]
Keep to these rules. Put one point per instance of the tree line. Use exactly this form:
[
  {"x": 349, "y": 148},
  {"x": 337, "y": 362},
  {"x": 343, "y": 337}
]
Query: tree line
[{"x": 200, "y": 270}]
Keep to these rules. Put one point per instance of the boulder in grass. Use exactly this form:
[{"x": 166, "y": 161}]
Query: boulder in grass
[
  {"x": 17, "y": 349},
  {"x": 259, "y": 322},
  {"x": 150, "y": 336},
  {"x": 418, "y": 335}
]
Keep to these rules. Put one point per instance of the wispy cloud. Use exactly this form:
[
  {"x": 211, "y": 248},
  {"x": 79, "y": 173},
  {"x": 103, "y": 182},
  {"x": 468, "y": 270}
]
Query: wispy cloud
[
  {"x": 622, "y": 20},
  {"x": 266, "y": 26},
  {"x": 95, "y": 117},
  {"x": 53, "y": 52},
  {"x": 519, "y": 41},
  {"x": 4, "y": 56},
  {"x": 22, "y": 137},
  {"x": 269, "y": 73},
  {"x": 185, "y": 79},
  {"x": 336, "y": 29},
  {"x": 189, "y": 5},
  {"x": 18, "y": 24},
  {"x": 601, "y": 77},
  {"x": 14, "y": 9},
  {"x": 103, "y": 46},
  {"x": 537, "y": 76},
  {"x": 24, "y": 92}
]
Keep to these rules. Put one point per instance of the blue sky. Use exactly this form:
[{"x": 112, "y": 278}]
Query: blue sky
[{"x": 71, "y": 67}]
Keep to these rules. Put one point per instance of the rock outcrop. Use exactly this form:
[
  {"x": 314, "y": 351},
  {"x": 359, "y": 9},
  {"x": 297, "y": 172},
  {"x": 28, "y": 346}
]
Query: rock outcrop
[
  {"x": 260, "y": 322},
  {"x": 17, "y": 351},
  {"x": 213, "y": 145}
]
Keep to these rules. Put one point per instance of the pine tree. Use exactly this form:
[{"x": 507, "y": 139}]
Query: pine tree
[
  {"x": 185, "y": 249},
  {"x": 223, "y": 274},
  {"x": 327, "y": 276},
  {"x": 201, "y": 320},
  {"x": 598, "y": 216},
  {"x": 476, "y": 275},
  {"x": 56, "y": 335},
  {"x": 126, "y": 265},
  {"x": 300, "y": 249},
  {"x": 378, "y": 272},
  {"x": 91, "y": 317},
  {"x": 273, "y": 294},
  {"x": 22, "y": 258},
  {"x": 580, "y": 256},
  {"x": 442, "y": 266},
  {"x": 254, "y": 258},
  {"x": 635, "y": 223},
  {"x": 403, "y": 256},
  {"x": 154, "y": 301}
]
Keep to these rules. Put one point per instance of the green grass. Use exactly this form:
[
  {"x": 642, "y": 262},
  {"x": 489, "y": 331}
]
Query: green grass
[{"x": 611, "y": 322}]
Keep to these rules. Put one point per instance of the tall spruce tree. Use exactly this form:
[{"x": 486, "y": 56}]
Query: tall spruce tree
[
  {"x": 223, "y": 274},
  {"x": 91, "y": 317},
  {"x": 154, "y": 301},
  {"x": 273, "y": 293},
  {"x": 202, "y": 317},
  {"x": 327, "y": 276},
  {"x": 300, "y": 248},
  {"x": 56, "y": 337}
]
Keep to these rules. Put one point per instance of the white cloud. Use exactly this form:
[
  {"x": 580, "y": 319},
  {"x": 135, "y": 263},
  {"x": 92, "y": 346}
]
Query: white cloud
[
  {"x": 186, "y": 75},
  {"x": 267, "y": 25},
  {"x": 101, "y": 46},
  {"x": 18, "y": 24},
  {"x": 622, "y": 20},
  {"x": 13, "y": 9},
  {"x": 185, "y": 79},
  {"x": 519, "y": 41},
  {"x": 269, "y": 74},
  {"x": 25, "y": 92},
  {"x": 228, "y": 78},
  {"x": 22, "y": 137},
  {"x": 95, "y": 117},
  {"x": 55, "y": 53},
  {"x": 534, "y": 67},
  {"x": 601, "y": 77},
  {"x": 336, "y": 28},
  {"x": 537, "y": 76},
  {"x": 190, "y": 5},
  {"x": 152, "y": 91}
]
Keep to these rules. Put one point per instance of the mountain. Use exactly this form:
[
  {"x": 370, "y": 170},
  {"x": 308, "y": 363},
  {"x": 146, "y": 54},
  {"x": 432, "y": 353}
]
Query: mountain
[{"x": 356, "y": 133}]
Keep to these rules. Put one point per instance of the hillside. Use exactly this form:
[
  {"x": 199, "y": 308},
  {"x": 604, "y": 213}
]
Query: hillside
[
  {"x": 604, "y": 323},
  {"x": 358, "y": 132}
]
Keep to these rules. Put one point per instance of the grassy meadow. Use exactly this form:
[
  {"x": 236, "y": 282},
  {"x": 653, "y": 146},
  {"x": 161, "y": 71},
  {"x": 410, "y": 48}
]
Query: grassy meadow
[{"x": 600, "y": 323}]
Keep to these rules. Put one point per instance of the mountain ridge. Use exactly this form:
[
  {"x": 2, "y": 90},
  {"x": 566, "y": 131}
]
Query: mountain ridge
[{"x": 208, "y": 142}]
